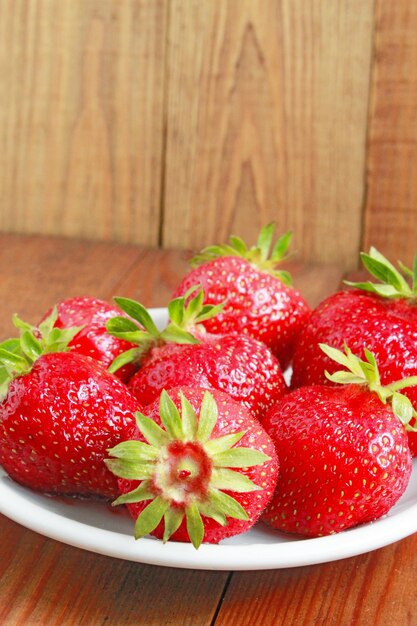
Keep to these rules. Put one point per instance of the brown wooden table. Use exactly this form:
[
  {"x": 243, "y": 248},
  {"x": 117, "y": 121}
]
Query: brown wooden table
[{"x": 45, "y": 582}]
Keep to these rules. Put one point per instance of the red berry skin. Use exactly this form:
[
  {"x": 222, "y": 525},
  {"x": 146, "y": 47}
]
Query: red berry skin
[
  {"x": 388, "y": 328},
  {"x": 240, "y": 366},
  {"x": 257, "y": 303},
  {"x": 93, "y": 340},
  {"x": 344, "y": 460},
  {"x": 57, "y": 422},
  {"x": 233, "y": 417}
]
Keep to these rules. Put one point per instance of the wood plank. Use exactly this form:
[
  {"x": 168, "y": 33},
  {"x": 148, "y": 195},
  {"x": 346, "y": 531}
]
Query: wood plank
[
  {"x": 40, "y": 271},
  {"x": 369, "y": 589},
  {"x": 266, "y": 119},
  {"x": 45, "y": 582},
  {"x": 391, "y": 223},
  {"x": 82, "y": 117}
]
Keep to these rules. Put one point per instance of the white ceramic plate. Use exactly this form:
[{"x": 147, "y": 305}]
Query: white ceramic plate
[{"x": 96, "y": 527}]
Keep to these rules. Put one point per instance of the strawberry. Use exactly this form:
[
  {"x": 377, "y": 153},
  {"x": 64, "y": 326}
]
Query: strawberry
[
  {"x": 344, "y": 458},
  {"x": 59, "y": 413},
  {"x": 259, "y": 299},
  {"x": 239, "y": 365},
  {"x": 379, "y": 316},
  {"x": 198, "y": 468},
  {"x": 91, "y": 315}
]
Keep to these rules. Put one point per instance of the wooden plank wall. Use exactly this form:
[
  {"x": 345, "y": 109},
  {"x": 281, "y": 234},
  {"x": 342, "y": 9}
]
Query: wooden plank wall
[{"x": 174, "y": 123}]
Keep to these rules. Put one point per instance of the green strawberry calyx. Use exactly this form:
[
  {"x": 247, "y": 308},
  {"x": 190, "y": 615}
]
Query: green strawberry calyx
[
  {"x": 185, "y": 313},
  {"x": 183, "y": 471},
  {"x": 264, "y": 255},
  {"x": 18, "y": 354},
  {"x": 393, "y": 283},
  {"x": 365, "y": 372}
]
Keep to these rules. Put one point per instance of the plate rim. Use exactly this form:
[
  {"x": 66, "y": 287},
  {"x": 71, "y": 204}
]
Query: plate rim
[{"x": 230, "y": 557}]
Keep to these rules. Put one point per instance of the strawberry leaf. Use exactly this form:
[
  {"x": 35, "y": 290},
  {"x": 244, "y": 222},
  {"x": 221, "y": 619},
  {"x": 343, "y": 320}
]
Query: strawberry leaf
[
  {"x": 139, "y": 494},
  {"x": 189, "y": 419},
  {"x": 265, "y": 240},
  {"x": 208, "y": 417},
  {"x": 172, "y": 521},
  {"x": 47, "y": 325},
  {"x": 176, "y": 310},
  {"x": 386, "y": 291},
  {"x": 281, "y": 247},
  {"x": 349, "y": 361},
  {"x": 121, "y": 326},
  {"x": 240, "y": 457},
  {"x": 208, "y": 311},
  {"x": 195, "y": 304},
  {"x": 11, "y": 345},
  {"x": 186, "y": 314},
  {"x": 224, "y": 478},
  {"x": 31, "y": 347},
  {"x": 175, "y": 334},
  {"x": 21, "y": 325},
  {"x": 151, "y": 431},
  {"x": 4, "y": 382},
  {"x": 393, "y": 284},
  {"x": 208, "y": 510},
  {"x": 228, "y": 505},
  {"x": 384, "y": 271},
  {"x": 215, "y": 446},
  {"x": 134, "y": 450},
  {"x": 239, "y": 245},
  {"x": 13, "y": 361},
  {"x": 139, "y": 313},
  {"x": 345, "y": 378},
  {"x": 131, "y": 469},
  {"x": 170, "y": 417},
  {"x": 285, "y": 277},
  {"x": 130, "y": 356},
  {"x": 402, "y": 408},
  {"x": 195, "y": 526},
  {"x": 150, "y": 517}
]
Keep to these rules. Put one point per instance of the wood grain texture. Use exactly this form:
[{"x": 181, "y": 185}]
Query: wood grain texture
[
  {"x": 41, "y": 271},
  {"x": 391, "y": 211},
  {"x": 81, "y": 117},
  {"x": 266, "y": 119},
  {"x": 44, "y": 582},
  {"x": 369, "y": 589}
]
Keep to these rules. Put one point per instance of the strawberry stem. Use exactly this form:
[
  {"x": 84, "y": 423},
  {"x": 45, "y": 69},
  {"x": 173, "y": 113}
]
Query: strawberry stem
[
  {"x": 18, "y": 354},
  {"x": 259, "y": 255},
  {"x": 186, "y": 315},
  {"x": 360, "y": 372}
]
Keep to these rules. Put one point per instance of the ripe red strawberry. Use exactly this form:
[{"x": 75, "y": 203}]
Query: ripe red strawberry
[
  {"x": 198, "y": 468},
  {"x": 59, "y": 413},
  {"x": 91, "y": 315},
  {"x": 239, "y": 365},
  {"x": 344, "y": 458},
  {"x": 259, "y": 299},
  {"x": 379, "y": 316}
]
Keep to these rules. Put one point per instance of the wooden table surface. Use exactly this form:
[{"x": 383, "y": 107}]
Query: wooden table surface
[{"x": 45, "y": 582}]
